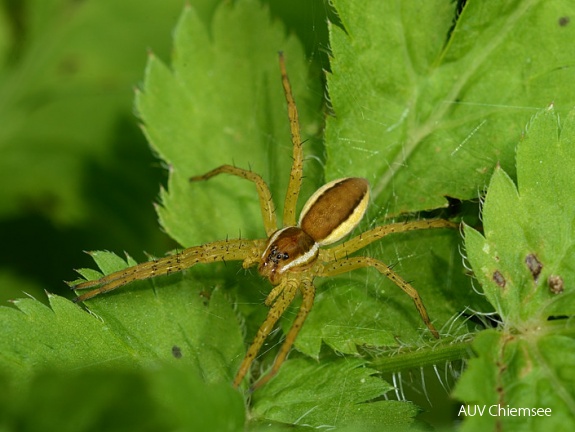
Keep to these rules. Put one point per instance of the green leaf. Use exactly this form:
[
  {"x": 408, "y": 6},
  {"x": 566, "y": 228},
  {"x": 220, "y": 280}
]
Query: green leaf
[
  {"x": 529, "y": 236},
  {"x": 65, "y": 94},
  {"x": 118, "y": 400},
  {"x": 166, "y": 320},
  {"x": 525, "y": 372},
  {"x": 171, "y": 346},
  {"x": 76, "y": 170},
  {"x": 524, "y": 265},
  {"x": 210, "y": 109},
  {"x": 435, "y": 106},
  {"x": 335, "y": 395},
  {"x": 43, "y": 336}
]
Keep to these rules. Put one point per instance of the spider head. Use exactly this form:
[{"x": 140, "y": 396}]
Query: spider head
[{"x": 287, "y": 249}]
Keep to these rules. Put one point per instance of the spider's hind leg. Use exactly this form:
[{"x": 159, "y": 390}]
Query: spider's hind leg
[{"x": 348, "y": 264}]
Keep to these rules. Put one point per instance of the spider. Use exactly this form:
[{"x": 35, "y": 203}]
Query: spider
[{"x": 290, "y": 257}]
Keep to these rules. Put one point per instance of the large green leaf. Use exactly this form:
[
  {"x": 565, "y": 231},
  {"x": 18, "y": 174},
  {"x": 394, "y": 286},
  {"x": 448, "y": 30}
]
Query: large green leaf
[
  {"x": 221, "y": 102},
  {"x": 427, "y": 106},
  {"x": 165, "y": 343},
  {"x": 164, "y": 320}
]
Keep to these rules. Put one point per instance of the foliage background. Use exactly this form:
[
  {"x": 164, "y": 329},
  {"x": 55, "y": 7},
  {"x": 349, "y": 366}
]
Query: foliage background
[
  {"x": 79, "y": 175},
  {"x": 77, "y": 171}
]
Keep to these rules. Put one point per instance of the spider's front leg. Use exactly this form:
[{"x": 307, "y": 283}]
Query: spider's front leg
[
  {"x": 292, "y": 193},
  {"x": 281, "y": 297},
  {"x": 226, "y": 250},
  {"x": 285, "y": 292}
]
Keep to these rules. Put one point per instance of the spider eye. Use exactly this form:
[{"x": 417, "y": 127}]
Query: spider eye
[{"x": 278, "y": 256}]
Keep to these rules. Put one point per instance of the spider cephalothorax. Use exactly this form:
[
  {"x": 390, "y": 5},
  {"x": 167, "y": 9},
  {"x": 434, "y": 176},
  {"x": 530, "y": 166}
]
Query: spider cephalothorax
[
  {"x": 288, "y": 249},
  {"x": 290, "y": 257}
]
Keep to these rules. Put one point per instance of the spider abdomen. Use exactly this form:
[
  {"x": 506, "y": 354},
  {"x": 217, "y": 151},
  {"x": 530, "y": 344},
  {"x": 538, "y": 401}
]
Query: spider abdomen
[{"x": 335, "y": 209}]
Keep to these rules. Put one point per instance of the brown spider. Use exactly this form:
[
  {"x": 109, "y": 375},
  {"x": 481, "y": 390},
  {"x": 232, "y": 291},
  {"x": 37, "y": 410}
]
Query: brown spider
[{"x": 290, "y": 257}]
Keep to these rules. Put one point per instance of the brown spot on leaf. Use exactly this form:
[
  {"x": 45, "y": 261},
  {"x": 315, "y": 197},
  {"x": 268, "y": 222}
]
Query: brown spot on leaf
[
  {"x": 499, "y": 279},
  {"x": 564, "y": 21},
  {"x": 555, "y": 284},
  {"x": 534, "y": 266}
]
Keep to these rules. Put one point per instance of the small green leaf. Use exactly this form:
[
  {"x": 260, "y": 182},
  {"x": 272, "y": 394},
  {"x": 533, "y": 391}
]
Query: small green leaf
[
  {"x": 529, "y": 236},
  {"x": 524, "y": 263}
]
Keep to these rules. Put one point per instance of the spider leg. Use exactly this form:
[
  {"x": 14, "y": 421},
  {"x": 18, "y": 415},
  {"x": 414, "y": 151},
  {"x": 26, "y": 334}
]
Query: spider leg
[
  {"x": 289, "y": 288},
  {"x": 227, "y": 250},
  {"x": 349, "y": 264},
  {"x": 308, "y": 293},
  {"x": 265, "y": 196},
  {"x": 362, "y": 240},
  {"x": 289, "y": 216}
]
